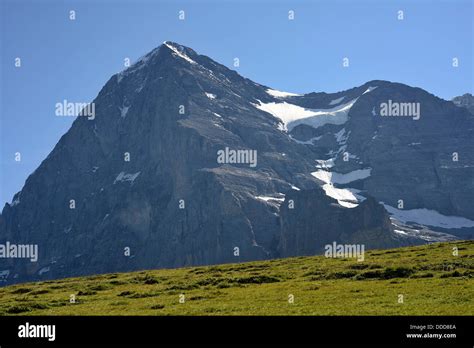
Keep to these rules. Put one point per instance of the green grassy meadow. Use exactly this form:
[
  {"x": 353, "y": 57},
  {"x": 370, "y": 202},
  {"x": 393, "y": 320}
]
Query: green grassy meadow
[{"x": 422, "y": 280}]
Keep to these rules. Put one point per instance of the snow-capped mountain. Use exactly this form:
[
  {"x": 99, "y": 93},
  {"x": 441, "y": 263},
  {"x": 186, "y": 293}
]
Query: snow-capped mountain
[{"x": 188, "y": 163}]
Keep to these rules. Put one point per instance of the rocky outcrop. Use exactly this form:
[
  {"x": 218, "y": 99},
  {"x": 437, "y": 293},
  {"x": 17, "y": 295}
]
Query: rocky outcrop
[{"x": 465, "y": 101}]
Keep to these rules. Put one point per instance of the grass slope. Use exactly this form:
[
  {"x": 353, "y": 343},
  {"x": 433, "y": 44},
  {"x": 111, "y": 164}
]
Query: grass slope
[{"x": 431, "y": 280}]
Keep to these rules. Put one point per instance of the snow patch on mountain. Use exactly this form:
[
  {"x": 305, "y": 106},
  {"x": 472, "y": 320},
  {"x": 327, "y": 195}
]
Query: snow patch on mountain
[
  {"x": 346, "y": 197},
  {"x": 329, "y": 163},
  {"x": 176, "y": 52},
  {"x": 280, "y": 94},
  {"x": 338, "y": 178},
  {"x": 422, "y": 233},
  {"x": 292, "y": 115},
  {"x": 269, "y": 198},
  {"x": 276, "y": 201},
  {"x": 370, "y": 89},
  {"x": 139, "y": 64},
  {"x": 428, "y": 218}
]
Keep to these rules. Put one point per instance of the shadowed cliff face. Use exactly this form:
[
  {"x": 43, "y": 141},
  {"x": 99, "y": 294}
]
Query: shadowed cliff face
[
  {"x": 306, "y": 232},
  {"x": 141, "y": 185}
]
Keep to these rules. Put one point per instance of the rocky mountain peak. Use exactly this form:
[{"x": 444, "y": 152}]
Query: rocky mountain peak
[{"x": 186, "y": 162}]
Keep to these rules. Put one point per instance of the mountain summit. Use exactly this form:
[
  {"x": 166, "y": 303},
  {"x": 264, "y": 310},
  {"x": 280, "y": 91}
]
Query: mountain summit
[{"x": 188, "y": 163}]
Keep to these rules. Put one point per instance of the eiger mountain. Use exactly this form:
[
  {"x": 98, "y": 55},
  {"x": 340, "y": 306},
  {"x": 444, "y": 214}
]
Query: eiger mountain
[{"x": 329, "y": 168}]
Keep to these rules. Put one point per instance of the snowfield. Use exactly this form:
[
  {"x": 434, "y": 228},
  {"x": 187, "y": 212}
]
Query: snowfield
[
  {"x": 337, "y": 178},
  {"x": 428, "y": 217},
  {"x": 346, "y": 197},
  {"x": 293, "y": 115}
]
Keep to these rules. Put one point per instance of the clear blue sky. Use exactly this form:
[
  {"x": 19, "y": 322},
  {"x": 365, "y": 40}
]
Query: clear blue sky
[{"x": 63, "y": 59}]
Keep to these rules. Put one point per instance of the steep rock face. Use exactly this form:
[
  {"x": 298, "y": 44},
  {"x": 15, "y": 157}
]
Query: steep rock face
[
  {"x": 135, "y": 204},
  {"x": 149, "y": 191},
  {"x": 307, "y": 231}
]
